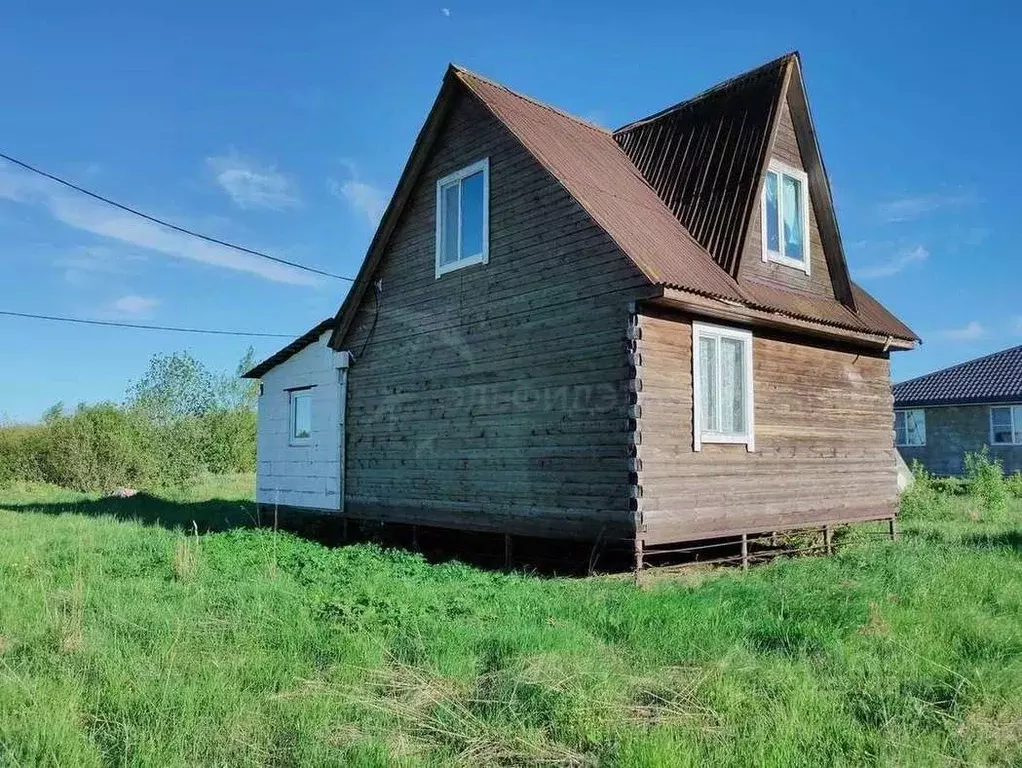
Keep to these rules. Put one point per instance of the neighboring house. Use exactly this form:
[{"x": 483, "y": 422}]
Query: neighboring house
[
  {"x": 516, "y": 353},
  {"x": 944, "y": 415}
]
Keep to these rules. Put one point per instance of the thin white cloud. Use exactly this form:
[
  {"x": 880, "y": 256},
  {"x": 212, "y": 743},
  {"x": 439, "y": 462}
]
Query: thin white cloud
[
  {"x": 906, "y": 258},
  {"x": 916, "y": 206},
  {"x": 972, "y": 331},
  {"x": 446, "y": 12},
  {"x": 98, "y": 219},
  {"x": 132, "y": 306},
  {"x": 251, "y": 185},
  {"x": 87, "y": 265},
  {"x": 363, "y": 198},
  {"x": 1016, "y": 324}
]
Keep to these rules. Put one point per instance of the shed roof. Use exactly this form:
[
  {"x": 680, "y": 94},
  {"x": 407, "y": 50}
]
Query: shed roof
[
  {"x": 306, "y": 339},
  {"x": 995, "y": 378}
]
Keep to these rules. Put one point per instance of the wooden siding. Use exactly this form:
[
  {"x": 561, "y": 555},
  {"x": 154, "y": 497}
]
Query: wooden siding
[
  {"x": 496, "y": 397},
  {"x": 823, "y": 428},
  {"x": 786, "y": 149}
]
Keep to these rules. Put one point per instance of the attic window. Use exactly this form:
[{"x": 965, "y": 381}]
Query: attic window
[
  {"x": 785, "y": 213},
  {"x": 463, "y": 218}
]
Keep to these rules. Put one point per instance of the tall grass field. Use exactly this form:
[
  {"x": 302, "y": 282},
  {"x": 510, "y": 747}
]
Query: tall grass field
[{"x": 139, "y": 642}]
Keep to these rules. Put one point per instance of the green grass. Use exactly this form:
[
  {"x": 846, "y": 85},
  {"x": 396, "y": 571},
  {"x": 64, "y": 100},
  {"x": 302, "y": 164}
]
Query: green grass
[{"x": 131, "y": 643}]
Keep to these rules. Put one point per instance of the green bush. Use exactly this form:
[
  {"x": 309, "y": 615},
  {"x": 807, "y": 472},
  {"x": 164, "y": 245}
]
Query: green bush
[
  {"x": 21, "y": 448},
  {"x": 985, "y": 477},
  {"x": 1014, "y": 485},
  {"x": 922, "y": 496}
]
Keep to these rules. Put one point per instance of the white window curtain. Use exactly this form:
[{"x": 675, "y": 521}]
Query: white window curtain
[{"x": 723, "y": 385}]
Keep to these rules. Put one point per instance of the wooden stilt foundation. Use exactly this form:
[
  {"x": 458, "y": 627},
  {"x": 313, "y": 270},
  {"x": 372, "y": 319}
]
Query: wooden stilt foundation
[
  {"x": 828, "y": 539},
  {"x": 745, "y": 551},
  {"x": 508, "y": 552}
]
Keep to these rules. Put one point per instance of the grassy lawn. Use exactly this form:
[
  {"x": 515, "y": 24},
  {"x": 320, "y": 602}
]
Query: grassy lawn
[{"x": 126, "y": 643}]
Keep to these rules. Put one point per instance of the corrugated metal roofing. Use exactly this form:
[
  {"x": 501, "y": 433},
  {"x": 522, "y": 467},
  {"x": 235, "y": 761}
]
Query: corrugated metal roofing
[
  {"x": 996, "y": 378},
  {"x": 292, "y": 349},
  {"x": 594, "y": 169},
  {"x": 703, "y": 157}
]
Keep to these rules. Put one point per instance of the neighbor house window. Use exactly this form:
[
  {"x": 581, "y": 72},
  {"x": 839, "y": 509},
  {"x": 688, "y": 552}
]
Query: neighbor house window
[
  {"x": 910, "y": 428},
  {"x": 1006, "y": 425},
  {"x": 785, "y": 216},
  {"x": 463, "y": 218},
  {"x": 301, "y": 415},
  {"x": 722, "y": 385}
]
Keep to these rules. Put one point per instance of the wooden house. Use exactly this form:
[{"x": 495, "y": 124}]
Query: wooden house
[{"x": 646, "y": 335}]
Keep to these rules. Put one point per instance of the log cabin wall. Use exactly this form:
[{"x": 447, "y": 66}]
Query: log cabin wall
[
  {"x": 824, "y": 445},
  {"x": 495, "y": 398}
]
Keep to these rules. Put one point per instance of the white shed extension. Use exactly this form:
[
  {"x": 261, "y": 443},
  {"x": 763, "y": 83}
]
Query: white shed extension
[{"x": 300, "y": 441}]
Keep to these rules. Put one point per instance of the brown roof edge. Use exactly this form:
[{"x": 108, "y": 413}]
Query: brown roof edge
[
  {"x": 306, "y": 339},
  {"x": 413, "y": 166},
  {"x": 711, "y": 91},
  {"x": 742, "y": 313}
]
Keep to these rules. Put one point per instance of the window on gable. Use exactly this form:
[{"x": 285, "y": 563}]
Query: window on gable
[
  {"x": 722, "y": 385},
  {"x": 463, "y": 218},
  {"x": 1006, "y": 425},
  {"x": 910, "y": 427},
  {"x": 785, "y": 216},
  {"x": 301, "y": 416}
]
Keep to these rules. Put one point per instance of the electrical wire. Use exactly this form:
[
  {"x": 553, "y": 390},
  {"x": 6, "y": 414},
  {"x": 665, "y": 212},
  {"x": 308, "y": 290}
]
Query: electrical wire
[
  {"x": 145, "y": 327},
  {"x": 167, "y": 224}
]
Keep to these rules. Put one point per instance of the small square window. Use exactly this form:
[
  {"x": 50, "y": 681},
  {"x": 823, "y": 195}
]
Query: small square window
[
  {"x": 910, "y": 428},
  {"x": 722, "y": 385},
  {"x": 301, "y": 416},
  {"x": 463, "y": 218},
  {"x": 785, "y": 215},
  {"x": 1006, "y": 425}
]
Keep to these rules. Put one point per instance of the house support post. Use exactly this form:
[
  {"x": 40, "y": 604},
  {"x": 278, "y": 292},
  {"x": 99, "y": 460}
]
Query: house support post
[
  {"x": 507, "y": 551},
  {"x": 893, "y": 526},
  {"x": 638, "y": 559},
  {"x": 415, "y": 538},
  {"x": 344, "y": 529},
  {"x": 745, "y": 551},
  {"x": 828, "y": 539}
]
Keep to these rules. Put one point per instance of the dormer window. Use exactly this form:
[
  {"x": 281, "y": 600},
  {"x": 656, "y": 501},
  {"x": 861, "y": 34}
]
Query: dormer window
[{"x": 785, "y": 213}]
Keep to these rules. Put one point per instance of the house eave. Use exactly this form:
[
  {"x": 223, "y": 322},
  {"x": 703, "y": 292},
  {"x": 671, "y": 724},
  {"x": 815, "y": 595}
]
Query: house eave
[{"x": 740, "y": 313}]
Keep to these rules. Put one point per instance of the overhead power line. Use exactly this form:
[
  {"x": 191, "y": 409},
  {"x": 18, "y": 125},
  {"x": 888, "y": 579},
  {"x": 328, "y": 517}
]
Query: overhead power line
[
  {"x": 144, "y": 327},
  {"x": 169, "y": 225}
]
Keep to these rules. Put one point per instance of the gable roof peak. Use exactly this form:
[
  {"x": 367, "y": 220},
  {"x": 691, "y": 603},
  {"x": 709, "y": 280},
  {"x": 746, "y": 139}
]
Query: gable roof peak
[
  {"x": 772, "y": 67},
  {"x": 462, "y": 73}
]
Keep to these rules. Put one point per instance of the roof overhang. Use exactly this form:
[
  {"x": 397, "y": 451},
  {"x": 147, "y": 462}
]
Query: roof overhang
[
  {"x": 282, "y": 355},
  {"x": 740, "y": 313},
  {"x": 963, "y": 402}
]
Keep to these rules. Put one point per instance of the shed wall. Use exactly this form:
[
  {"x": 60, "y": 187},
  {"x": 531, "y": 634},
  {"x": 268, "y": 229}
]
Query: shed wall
[{"x": 307, "y": 475}]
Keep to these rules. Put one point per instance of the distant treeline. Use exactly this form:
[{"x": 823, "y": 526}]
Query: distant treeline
[{"x": 176, "y": 422}]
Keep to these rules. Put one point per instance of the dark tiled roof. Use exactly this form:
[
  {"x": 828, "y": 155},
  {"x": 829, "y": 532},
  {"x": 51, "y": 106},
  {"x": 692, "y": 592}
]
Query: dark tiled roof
[
  {"x": 292, "y": 349},
  {"x": 996, "y": 378}
]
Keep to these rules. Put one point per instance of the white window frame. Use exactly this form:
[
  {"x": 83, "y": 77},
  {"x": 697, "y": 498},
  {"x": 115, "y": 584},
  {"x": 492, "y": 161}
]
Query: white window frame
[
  {"x": 294, "y": 396},
  {"x": 778, "y": 257},
  {"x": 909, "y": 410},
  {"x": 699, "y": 435},
  {"x": 442, "y": 184},
  {"x": 1016, "y": 428}
]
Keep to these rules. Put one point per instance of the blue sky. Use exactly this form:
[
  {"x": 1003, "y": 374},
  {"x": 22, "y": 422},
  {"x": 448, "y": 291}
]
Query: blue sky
[{"x": 285, "y": 127}]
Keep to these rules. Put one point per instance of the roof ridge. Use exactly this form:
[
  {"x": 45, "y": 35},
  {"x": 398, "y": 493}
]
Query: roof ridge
[
  {"x": 962, "y": 364},
  {"x": 719, "y": 87},
  {"x": 460, "y": 71}
]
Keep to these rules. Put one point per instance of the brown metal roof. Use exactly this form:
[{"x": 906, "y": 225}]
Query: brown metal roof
[
  {"x": 597, "y": 172},
  {"x": 591, "y": 166},
  {"x": 292, "y": 349},
  {"x": 704, "y": 156}
]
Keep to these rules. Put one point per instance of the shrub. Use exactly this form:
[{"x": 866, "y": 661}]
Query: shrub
[
  {"x": 919, "y": 499},
  {"x": 21, "y": 447},
  {"x": 985, "y": 477},
  {"x": 1014, "y": 485}
]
